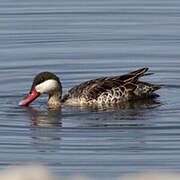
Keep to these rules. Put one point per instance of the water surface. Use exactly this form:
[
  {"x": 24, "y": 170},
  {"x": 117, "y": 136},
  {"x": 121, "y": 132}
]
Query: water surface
[{"x": 80, "y": 41}]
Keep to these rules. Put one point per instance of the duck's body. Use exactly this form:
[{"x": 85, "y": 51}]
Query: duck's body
[{"x": 107, "y": 90}]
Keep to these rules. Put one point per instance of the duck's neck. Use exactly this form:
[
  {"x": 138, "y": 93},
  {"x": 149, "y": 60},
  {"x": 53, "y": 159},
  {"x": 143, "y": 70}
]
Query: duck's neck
[{"x": 54, "y": 100}]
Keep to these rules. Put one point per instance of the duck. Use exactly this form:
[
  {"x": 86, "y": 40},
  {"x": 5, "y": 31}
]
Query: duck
[{"x": 104, "y": 90}]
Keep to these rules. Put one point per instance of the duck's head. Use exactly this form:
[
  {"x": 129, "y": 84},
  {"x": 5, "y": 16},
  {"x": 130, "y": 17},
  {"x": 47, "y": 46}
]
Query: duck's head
[{"x": 44, "y": 83}]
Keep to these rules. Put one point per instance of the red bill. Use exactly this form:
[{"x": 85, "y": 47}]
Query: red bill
[{"x": 31, "y": 97}]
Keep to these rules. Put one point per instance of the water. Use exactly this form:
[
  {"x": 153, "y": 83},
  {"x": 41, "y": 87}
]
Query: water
[{"x": 80, "y": 41}]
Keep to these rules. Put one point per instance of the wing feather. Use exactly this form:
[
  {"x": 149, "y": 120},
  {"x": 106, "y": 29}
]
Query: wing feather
[{"x": 92, "y": 89}]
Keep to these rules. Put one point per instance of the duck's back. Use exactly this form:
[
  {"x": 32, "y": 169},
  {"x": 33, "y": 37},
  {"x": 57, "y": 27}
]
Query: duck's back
[{"x": 110, "y": 90}]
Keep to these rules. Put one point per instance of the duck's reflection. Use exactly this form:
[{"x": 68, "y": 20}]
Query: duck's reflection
[
  {"x": 132, "y": 110},
  {"x": 44, "y": 129},
  {"x": 131, "y": 113},
  {"x": 48, "y": 118},
  {"x": 48, "y": 133}
]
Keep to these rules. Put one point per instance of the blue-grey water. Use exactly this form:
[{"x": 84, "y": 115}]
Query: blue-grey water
[{"x": 78, "y": 41}]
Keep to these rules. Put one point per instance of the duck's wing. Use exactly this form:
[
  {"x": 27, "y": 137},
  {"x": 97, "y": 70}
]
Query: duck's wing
[{"x": 94, "y": 88}]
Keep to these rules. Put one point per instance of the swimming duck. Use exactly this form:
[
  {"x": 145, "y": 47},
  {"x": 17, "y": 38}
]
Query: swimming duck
[{"x": 106, "y": 90}]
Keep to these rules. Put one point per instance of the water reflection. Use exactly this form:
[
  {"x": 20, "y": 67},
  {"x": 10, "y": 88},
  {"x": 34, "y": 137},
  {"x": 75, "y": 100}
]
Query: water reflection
[
  {"x": 50, "y": 117},
  {"x": 132, "y": 113},
  {"x": 124, "y": 114},
  {"x": 43, "y": 129}
]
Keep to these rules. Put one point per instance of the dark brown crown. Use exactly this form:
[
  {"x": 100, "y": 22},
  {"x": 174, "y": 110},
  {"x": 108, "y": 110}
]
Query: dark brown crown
[{"x": 43, "y": 76}]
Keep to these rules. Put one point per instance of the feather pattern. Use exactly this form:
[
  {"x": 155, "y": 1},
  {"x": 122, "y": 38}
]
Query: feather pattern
[{"x": 109, "y": 90}]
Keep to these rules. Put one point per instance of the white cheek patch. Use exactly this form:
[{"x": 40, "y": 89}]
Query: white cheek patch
[{"x": 47, "y": 86}]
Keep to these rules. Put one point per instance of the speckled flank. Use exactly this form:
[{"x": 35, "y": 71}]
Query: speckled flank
[
  {"x": 121, "y": 94},
  {"x": 114, "y": 96}
]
